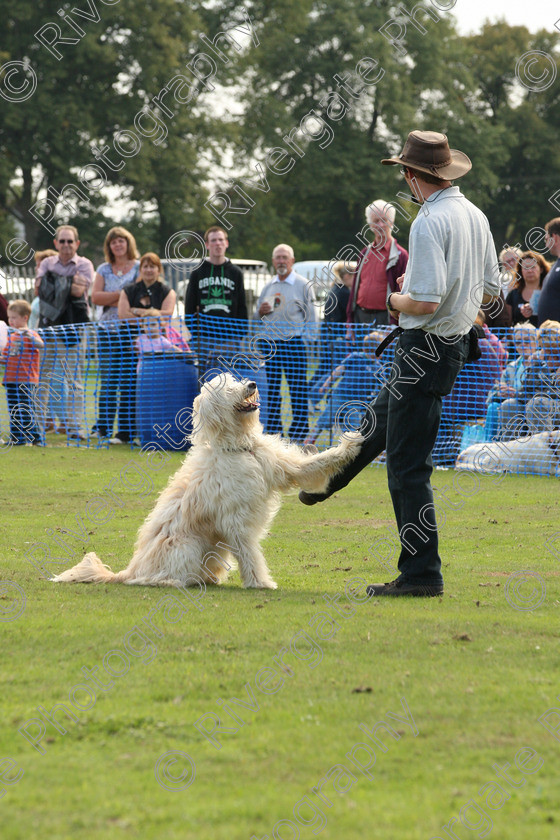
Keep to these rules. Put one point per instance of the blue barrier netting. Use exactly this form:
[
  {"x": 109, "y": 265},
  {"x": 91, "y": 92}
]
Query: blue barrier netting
[{"x": 134, "y": 382}]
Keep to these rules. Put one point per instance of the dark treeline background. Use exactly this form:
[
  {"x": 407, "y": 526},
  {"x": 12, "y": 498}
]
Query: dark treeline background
[{"x": 464, "y": 86}]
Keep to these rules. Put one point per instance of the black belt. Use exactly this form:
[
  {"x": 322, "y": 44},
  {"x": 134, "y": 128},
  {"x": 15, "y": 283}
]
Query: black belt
[
  {"x": 370, "y": 311},
  {"x": 387, "y": 340},
  {"x": 449, "y": 339}
]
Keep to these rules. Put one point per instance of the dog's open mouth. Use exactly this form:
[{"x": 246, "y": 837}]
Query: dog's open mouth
[{"x": 250, "y": 403}]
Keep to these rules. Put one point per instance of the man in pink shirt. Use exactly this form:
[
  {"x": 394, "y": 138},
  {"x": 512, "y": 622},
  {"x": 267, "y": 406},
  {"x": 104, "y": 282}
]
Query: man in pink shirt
[
  {"x": 378, "y": 268},
  {"x": 73, "y": 276}
]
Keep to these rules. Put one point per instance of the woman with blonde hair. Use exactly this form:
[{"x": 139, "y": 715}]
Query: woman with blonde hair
[
  {"x": 114, "y": 349},
  {"x": 509, "y": 257},
  {"x": 119, "y": 269}
]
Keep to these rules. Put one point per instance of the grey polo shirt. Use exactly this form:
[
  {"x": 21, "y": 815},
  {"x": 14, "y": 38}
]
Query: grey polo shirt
[
  {"x": 292, "y": 306},
  {"x": 453, "y": 263}
]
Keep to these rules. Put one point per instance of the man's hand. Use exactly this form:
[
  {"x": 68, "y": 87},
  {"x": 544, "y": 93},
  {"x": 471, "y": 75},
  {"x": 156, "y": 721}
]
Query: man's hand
[
  {"x": 408, "y": 306},
  {"x": 400, "y": 281},
  {"x": 265, "y": 308},
  {"x": 394, "y": 313},
  {"x": 79, "y": 285}
]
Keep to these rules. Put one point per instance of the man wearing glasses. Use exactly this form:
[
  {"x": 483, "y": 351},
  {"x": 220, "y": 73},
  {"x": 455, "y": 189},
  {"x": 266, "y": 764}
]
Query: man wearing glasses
[
  {"x": 549, "y": 299},
  {"x": 71, "y": 277},
  {"x": 452, "y": 270}
]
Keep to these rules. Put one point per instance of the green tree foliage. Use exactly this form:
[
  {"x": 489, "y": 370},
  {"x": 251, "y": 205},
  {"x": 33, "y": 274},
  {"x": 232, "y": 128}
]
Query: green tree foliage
[
  {"x": 303, "y": 87},
  {"x": 89, "y": 91},
  {"x": 467, "y": 87},
  {"x": 526, "y": 161}
]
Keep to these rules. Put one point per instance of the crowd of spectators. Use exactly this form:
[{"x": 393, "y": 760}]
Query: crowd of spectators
[{"x": 328, "y": 363}]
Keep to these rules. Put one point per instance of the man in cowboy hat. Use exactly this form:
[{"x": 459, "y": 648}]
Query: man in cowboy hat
[{"x": 452, "y": 270}]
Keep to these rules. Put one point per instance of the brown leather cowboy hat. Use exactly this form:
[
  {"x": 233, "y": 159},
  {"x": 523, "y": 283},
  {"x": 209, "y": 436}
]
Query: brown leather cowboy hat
[{"x": 428, "y": 151}]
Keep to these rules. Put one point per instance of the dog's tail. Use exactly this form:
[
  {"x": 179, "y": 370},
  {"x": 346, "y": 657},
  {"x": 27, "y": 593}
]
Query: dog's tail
[{"x": 90, "y": 570}]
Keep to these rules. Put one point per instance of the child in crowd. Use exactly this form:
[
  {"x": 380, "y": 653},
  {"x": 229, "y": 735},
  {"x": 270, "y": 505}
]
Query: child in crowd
[
  {"x": 21, "y": 358},
  {"x": 357, "y": 387},
  {"x": 151, "y": 339}
]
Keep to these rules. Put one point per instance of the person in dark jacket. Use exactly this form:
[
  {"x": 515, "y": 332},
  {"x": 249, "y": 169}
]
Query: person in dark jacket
[
  {"x": 549, "y": 300},
  {"x": 216, "y": 295},
  {"x": 62, "y": 284}
]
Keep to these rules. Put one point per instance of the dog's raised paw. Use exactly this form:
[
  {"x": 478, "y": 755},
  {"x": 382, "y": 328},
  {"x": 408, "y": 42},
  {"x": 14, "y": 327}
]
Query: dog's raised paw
[{"x": 351, "y": 440}]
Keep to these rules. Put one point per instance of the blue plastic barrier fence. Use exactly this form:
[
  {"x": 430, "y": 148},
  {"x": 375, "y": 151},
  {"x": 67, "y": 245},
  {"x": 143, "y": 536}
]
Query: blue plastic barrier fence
[{"x": 134, "y": 382}]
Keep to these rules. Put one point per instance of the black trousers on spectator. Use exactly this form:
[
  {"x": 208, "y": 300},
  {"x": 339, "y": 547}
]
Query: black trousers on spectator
[{"x": 290, "y": 358}]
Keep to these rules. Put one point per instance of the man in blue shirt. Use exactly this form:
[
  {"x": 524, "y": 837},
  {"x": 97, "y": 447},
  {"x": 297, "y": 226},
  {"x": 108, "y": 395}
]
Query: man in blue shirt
[{"x": 286, "y": 309}]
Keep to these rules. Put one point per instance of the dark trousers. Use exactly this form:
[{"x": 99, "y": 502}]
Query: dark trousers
[
  {"x": 332, "y": 349},
  {"x": 117, "y": 388},
  {"x": 375, "y": 317},
  {"x": 21, "y": 399},
  {"x": 404, "y": 419},
  {"x": 289, "y": 357}
]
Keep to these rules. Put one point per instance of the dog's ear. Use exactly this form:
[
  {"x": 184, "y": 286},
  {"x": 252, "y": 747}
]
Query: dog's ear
[{"x": 196, "y": 403}]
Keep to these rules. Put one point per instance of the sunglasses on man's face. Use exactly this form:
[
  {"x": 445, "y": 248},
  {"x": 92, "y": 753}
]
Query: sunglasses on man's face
[{"x": 66, "y": 241}]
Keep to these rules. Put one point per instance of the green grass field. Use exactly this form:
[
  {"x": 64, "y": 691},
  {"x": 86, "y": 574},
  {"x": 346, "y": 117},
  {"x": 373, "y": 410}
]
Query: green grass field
[{"x": 475, "y": 672}]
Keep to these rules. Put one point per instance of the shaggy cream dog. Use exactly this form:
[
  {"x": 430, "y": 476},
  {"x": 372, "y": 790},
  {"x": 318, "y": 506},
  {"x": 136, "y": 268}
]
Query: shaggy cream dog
[
  {"x": 222, "y": 499},
  {"x": 533, "y": 455}
]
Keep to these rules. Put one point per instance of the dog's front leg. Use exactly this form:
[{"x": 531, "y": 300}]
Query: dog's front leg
[
  {"x": 316, "y": 470},
  {"x": 252, "y": 566}
]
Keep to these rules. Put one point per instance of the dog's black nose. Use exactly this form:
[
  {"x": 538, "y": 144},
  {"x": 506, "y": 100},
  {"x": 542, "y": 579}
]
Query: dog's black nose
[{"x": 251, "y": 387}]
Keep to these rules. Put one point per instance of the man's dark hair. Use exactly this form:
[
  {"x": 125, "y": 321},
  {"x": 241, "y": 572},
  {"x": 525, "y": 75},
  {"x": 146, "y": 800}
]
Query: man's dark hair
[
  {"x": 214, "y": 229},
  {"x": 553, "y": 226}
]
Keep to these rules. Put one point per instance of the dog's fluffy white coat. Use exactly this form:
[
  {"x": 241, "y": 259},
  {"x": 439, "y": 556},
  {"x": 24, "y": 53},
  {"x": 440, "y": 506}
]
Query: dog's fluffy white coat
[
  {"x": 223, "y": 497},
  {"x": 537, "y": 454}
]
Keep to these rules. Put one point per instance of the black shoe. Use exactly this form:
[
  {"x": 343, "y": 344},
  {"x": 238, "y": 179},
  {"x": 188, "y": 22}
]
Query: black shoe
[
  {"x": 75, "y": 434},
  {"x": 400, "y": 587},
  {"x": 307, "y": 498}
]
